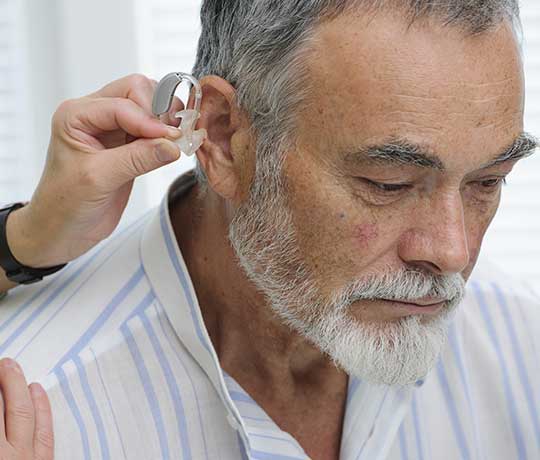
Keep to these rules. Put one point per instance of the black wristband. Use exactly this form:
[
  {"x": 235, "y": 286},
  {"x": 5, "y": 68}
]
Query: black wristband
[{"x": 15, "y": 271}]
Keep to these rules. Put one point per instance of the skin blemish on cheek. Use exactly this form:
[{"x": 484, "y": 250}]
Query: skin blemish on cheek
[{"x": 365, "y": 233}]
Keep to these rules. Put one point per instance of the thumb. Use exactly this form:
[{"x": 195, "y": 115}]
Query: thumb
[{"x": 132, "y": 160}]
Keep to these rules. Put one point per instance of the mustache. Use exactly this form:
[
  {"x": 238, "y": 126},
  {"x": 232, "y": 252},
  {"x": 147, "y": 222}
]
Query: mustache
[{"x": 405, "y": 285}]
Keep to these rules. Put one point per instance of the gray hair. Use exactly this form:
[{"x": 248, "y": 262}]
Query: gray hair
[{"x": 259, "y": 46}]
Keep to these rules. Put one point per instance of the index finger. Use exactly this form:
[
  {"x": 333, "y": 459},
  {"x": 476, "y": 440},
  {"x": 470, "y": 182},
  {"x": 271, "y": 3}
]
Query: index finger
[
  {"x": 136, "y": 87},
  {"x": 140, "y": 89},
  {"x": 124, "y": 86}
]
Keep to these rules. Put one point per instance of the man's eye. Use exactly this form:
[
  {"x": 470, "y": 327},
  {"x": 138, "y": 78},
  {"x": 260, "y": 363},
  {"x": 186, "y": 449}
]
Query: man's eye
[
  {"x": 491, "y": 185},
  {"x": 387, "y": 188}
]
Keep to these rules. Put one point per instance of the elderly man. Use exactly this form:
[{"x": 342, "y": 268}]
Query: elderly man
[{"x": 292, "y": 298}]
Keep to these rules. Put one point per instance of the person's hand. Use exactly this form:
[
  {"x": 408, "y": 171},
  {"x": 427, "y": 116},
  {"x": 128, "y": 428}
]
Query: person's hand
[
  {"x": 26, "y": 427},
  {"x": 99, "y": 144}
]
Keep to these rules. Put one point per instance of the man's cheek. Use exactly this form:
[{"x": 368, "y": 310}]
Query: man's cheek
[{"x": 365, "y": 235}]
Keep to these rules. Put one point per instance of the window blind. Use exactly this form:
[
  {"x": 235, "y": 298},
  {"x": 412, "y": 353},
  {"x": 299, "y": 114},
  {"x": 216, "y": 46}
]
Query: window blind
[
  {"x": 11, "y": 101},
  {"x": 513, "y": 240}
]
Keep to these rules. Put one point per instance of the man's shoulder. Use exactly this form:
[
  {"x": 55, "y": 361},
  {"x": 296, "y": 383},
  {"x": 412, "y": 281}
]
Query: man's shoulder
[
  {"x": 139, "y": 394},
  {"x": 40, "y": 323}
]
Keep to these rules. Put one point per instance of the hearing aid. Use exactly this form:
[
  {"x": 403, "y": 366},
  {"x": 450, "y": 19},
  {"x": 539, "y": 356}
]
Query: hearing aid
[{"x": 191, "y": 139}]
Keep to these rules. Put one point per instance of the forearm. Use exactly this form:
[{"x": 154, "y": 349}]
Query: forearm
[{"x": 22, "y": 246}]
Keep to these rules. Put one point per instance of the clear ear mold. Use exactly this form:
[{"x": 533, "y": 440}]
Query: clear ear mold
[{"x": 191, "y": 139}]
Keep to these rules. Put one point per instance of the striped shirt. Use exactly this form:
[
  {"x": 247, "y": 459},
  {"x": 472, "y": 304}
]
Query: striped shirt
[{"x": 118, "y": 340}]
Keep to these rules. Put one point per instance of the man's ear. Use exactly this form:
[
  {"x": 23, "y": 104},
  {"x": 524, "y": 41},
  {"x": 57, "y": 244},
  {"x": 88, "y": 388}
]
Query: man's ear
[{"x": 220, "y": 155}]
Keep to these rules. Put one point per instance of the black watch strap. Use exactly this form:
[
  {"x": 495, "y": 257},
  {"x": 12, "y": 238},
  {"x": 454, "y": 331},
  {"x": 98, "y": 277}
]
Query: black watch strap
[{"x": 15, "y": 271}]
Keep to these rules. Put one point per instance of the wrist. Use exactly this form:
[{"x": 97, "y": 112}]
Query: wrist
[{"x": 28, "y": 241}]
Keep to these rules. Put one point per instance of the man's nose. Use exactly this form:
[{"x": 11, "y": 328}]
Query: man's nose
[{"x": 437, "y": 241}]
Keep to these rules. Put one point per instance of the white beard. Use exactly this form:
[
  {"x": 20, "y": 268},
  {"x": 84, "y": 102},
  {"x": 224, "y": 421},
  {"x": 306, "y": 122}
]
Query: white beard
[{"x": 393, "y": 353}]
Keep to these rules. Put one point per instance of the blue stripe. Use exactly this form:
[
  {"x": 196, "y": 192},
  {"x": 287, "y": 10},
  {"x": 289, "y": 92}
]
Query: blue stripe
[
  {"x": 173, "y": 388},
  {"x": 271, "y": 456},
  {"x": 518, "y": 357},
  {"x": 147, "y": 300},
  {"x": 531, "y": 333},
  {"x": 463, "y": 375},
  {"x": 403, "y": 443},
  {"x": 109, "y": 403},
  {"x": 241, "y": 397},
  {"x": 416, "y": 421},
  {"x": 146, "y": 382},
  {"x": 181, "y": 276},
  {"x": 194, "y": 388},
  {"x": 454, "y": 418},
  {"x": 103, "y": 444},
  {"x": 118, "y": 298},
  {"x": 286, "y": 439},
  {"x": 63, "y": 283},
  {"x": 241, "y": 447},
  {"x": 509, "y": 397},
  {"x": 68, "y": 395}
]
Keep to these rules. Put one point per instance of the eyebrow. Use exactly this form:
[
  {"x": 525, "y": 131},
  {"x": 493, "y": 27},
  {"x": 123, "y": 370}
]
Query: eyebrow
[{"x": 398, "y": 151}]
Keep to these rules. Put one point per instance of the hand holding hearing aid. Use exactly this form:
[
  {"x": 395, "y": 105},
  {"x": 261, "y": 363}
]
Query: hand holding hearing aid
[{"x": 99, "y": 144}]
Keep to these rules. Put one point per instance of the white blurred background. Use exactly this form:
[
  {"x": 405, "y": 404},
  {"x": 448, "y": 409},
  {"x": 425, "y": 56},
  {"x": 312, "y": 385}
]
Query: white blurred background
[{"x": 58, "y": 49}]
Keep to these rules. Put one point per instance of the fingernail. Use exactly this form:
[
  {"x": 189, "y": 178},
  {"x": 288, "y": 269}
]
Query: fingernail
[
  {"x": 166, "y": 155},
  {"x": 10, "y": 363},
  {"x": 36, "y": 390},
  {"x": 173, "y": 132}
]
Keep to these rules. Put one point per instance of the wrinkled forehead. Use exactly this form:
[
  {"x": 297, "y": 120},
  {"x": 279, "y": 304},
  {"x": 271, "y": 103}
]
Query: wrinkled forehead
[{"x": 381, "y": 77}]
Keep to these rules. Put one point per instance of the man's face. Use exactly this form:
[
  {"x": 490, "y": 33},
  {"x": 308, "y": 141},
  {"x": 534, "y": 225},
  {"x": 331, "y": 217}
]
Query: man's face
[
  {"x": 352, "y": 229},
  {"x": 458, "y": 98}
]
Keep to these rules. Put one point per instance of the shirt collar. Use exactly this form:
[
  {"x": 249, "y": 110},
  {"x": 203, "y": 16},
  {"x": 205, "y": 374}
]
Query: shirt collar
[{"x": 167, "y": 273}]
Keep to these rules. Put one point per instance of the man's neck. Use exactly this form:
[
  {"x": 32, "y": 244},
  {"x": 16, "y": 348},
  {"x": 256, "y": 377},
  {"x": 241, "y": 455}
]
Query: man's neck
[{"x": 252, "y": 344}]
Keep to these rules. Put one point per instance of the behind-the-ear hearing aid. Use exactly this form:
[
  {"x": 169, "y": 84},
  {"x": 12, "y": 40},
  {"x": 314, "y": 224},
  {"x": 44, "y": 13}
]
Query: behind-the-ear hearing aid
[{"x": 191, "y": 139}]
